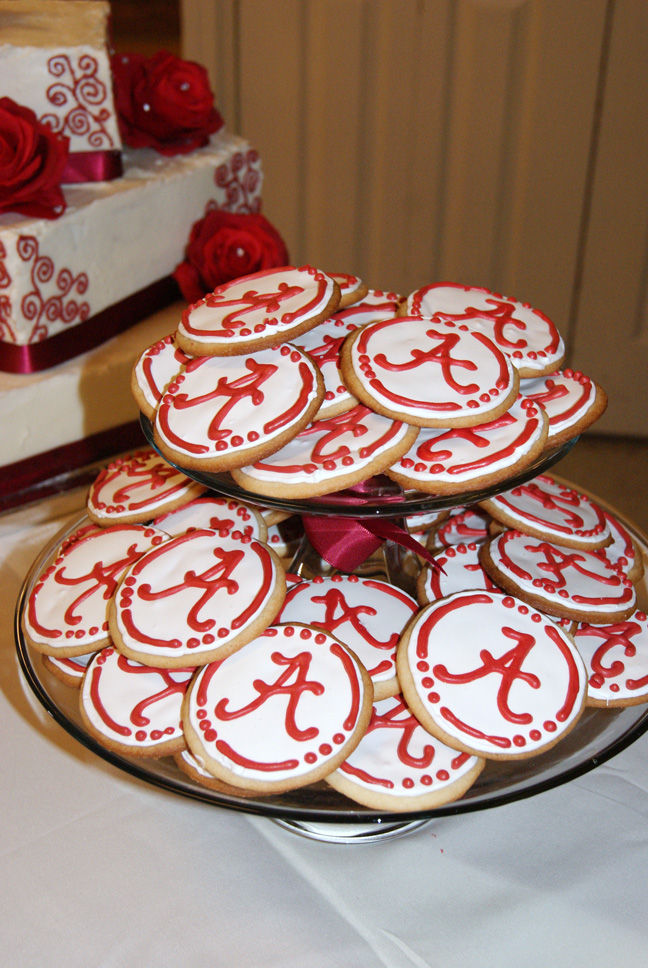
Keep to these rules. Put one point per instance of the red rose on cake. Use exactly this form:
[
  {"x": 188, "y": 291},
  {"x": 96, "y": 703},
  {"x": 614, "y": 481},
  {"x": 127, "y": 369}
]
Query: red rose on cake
[
  {"x": 224, "y": 246},
  {"x": 163, "y": 102},
  {"x": 32, "y": 159}
]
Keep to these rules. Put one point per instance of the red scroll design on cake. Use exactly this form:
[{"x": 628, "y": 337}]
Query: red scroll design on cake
[
  {"x": 6, "y": 332},
  {"x": 240, "y": 181},
  {"x": 44, "y": 309},
  {"x": 80, "y": 98}
]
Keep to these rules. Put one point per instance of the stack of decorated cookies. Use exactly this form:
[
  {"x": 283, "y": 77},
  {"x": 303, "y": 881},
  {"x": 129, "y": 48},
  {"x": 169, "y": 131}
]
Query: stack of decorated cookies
[{"x": 176, "y": 614}]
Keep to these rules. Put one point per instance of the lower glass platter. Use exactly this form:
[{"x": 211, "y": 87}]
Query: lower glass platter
[{"x": 599, "y": 735}]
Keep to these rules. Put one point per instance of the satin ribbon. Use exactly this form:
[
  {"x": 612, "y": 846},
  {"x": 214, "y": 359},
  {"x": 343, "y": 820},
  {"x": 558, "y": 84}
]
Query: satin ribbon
[
  {"x": 33, "y": 357},
  {"x": 346, "y": 542},
  {"x": 92, "y": 166}
]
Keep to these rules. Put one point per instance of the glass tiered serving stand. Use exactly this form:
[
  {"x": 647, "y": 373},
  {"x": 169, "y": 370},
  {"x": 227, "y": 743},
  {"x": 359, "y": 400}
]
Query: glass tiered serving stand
[{"x": 317, "y": 811}]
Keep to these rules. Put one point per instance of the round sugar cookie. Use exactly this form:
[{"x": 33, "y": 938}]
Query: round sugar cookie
[
  {"x": 257, "y": 311},
  {"x": 462, "y": 571},
  {"x": 134, "y": 489},
  {"x": 490, "y": 676},
  {"x": 428, "y": 374},
  {"x": 284, "y": 711},
  {"x": 196, "y": 598},
  {"x": 526, "y": 335},
  {"x": 330, "y": 455},
  {"x": 566, "y": 582},
  {"x": 546, "y": 508},
  {"x": 67, "y": 610},
  {"x": 461, "y": 526},
  {"x": 572, "y": 401},
  {"x": 69, "y": 671},
  {"x": 623, "y": 551},
  {"x": 352, "y": 289},
  {"x": 367, "y": 615},
  {"x": 131, "y": 708},
  {"x": 224, "y": 412},
  {"x": 216, "y": 514},
  {"x": 156, "y": 367},
  {"x": 399, "y": 766},
  {"x": 616, "y": 657},
  {"x": 324, "y": 342},
  {"x": 190, "y": 766},
  {"x": 465, "y": 459}
]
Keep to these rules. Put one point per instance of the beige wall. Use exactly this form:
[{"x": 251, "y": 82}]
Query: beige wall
[{"x": 410, "y": 141}]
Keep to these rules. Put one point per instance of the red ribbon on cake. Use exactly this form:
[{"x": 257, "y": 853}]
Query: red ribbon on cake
[{"x": 92, "y": 166}]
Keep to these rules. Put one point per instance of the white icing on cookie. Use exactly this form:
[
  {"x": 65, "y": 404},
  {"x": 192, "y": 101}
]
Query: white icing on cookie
[
  {"x": 432, "y": 374},
  {"x": 328, "y": 450},
  {"x": 323, "y": 344},
  {"x": 286, "y": 705},
  {"x": 545, "y": 507},
  {"x": 526, "y": 335},
  {"x": 138, "y": 487},
  {"x": 461, "y": 571},
  {"x": 616, "y": 657},
  {"x": 268, "y": 306},
  {"x": 460, "y": 457},
  {"x": 217, "y": 514},
  {"x": 133, "y": 705},
  {"x": 568, "y": 397},
  {"x": 67, "y": 610},
  {"x": 195, "y": 598},
  {"x": 156, "y": 368},
  {"x": 365, "y": 614},
  {"x": 622, "y": 552},
  {"x": 221, "y": 407},
  {"x": 509, "y": 691},
  {"x": 569, "y": 581},
  {"x": 398, "y": 758}
]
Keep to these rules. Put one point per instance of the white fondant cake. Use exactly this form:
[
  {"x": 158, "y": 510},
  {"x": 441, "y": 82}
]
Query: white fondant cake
[
  {"x": 54, "y": 60},
  {"x": 115, "y": 238}
]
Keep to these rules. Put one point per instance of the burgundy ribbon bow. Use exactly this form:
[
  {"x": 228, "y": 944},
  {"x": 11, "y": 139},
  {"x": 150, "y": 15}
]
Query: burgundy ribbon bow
[{"x": 346, "y": 542}]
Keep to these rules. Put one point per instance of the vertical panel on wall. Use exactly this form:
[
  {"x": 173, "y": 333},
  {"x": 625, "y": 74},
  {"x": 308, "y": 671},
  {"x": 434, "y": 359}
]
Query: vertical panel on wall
[
  {"x": 414, "y": 140},
  {"x": 209, "y": 36},
  {"x": 611, "y": 329}
]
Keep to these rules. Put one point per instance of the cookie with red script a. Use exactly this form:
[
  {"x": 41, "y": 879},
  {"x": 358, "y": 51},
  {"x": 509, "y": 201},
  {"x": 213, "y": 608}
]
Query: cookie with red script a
[
  {"x": 623, "y": 551},
  {"x": 399, "y": 766},
  {"x": 572, "y": 401},
  {"x": 131, "y": 708},
  {"x": 69, "y": 671},
  {"x": 216, "y": 514},
  {"x": 352, "y": 288},
  {"x": 224, "y": 412},
  {"x": 616, "y": 657},
  {"x": 137, "y": 488},
  {"x": 367, "y": 615},
  {"x": 258, "y": 311},
  {"x": 284, "y": 711},
  {"x": 464, "y": 459},
  {"x": 196, "y": 598},
  {"x": 324, "y": 343},
  {"x": 460, "y": 570},
  {"x": 156, "y": 367},
  {"x": 566, "y": 582},
  {"x": 191, "y": 767},
  {"x": 509, "y": 691},
  {"x": 428, "y": 374},
  {"x": 547, "y": 508},
  {"x": 330, "y": 455},
  {"x": 463, "y": 525},
  {"x": 67, "y": 610},
  {"x": 528, "y": 337}
]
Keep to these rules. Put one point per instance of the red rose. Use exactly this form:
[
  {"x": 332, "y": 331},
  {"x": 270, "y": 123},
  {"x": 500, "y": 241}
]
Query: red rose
[
  {"x": 163, "y": 102},
  {"x": 223, "y": 246},
  {"x": 32, "y": 159}
]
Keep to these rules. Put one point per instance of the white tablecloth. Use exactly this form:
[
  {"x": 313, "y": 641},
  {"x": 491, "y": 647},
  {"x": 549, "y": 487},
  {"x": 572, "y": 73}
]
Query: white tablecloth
[{"x": 100, "y": 869}]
